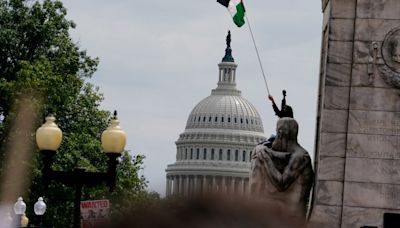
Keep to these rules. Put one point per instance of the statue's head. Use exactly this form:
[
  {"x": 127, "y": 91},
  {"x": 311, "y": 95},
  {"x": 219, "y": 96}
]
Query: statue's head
[{"x": 286, "y": 134}]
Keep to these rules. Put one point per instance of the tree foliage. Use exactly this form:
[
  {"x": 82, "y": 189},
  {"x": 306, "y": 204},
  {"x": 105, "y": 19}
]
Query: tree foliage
[{"x": 38, "y": 56}]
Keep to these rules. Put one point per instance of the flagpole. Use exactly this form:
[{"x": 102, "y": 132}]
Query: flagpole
[{"x": 258, "y": 55}]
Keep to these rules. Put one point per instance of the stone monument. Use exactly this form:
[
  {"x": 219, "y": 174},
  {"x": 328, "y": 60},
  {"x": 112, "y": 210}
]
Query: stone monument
[
  {"x": 357, "y": 150},
  {"x": 282, "y": 174}
]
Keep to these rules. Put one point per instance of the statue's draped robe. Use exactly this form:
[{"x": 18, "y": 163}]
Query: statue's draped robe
[{"x": 293, "y": 197}]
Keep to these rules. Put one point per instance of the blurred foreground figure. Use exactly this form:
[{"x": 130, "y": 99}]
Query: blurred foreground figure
[
  {"x": 282, "y": 174},
  {"x": 208, "y": 212}
]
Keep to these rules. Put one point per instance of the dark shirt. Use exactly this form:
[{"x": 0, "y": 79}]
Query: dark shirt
[{"x": 285, "y": 111}]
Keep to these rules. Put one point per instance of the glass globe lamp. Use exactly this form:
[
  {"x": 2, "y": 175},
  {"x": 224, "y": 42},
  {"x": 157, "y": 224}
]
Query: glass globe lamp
[
  {"x": 113, "y": 139},
  {"x": 39, "y": 207},
  {"x": 20, "y": 206},
  {"x": 49, "y": 136}
]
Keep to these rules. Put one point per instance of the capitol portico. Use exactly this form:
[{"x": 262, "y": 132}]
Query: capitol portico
[{"x": 213, "y": 153}]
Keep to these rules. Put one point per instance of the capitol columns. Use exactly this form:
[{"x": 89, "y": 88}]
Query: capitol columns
[
  {"x": 243, "y": 186},
  {"x": 204, "y": 184},
  {"x": 224, "y": 187},
  {"x": 167, "y": 187},
  {"x": 187, "y": 187},
  {"x": 175, "y": 185},
  {"x": 232, "y": 185},
  {"x": 214, "y": 183},
  {"x": 195, "y": 189},
  {"x": 180, "y": 187}
]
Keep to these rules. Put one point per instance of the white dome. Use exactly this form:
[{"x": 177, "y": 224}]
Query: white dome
[
  {"x": 214, "y": 151},
  {"x": 225, "y": 111}
]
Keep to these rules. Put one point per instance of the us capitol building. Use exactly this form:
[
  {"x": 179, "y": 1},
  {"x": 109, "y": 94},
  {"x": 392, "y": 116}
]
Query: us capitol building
[{"x": 213, "y": 153}]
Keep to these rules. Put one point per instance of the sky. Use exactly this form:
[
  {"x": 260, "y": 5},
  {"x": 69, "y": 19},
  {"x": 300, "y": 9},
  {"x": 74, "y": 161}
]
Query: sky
[{"x": 158, "y": 59}]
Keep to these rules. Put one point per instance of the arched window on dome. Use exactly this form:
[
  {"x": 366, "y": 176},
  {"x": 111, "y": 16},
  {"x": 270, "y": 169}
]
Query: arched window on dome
[
  {"x": 241, "y": 120},
  {"x": 229, "y": 119},
  {"x": 212, "y": 154},
  {"x": 244, "y": 156},
  {"x": 199, "y": 119},
  {"x": 220, "y": 155},
  {"x": 228, "y": 155},
  {"x": 191, "y": 153},
  {"x": 247, "y": 121},
  {"x": 235, "y": 120},
  {"x": 222, "y": 119},
  {"x": 204, "y": 119},
  {"x": 209, "y": 119},
  {"x": 250, "y": 155},
  {"x": 216, "y": 118},
  {"x": 252, "y": 121},
  {"x": 205, "y": 154},
  {"x": 186, "y": 154},
  {"x": 198, "y": 154},
  {"x": 236, "y": 155}
]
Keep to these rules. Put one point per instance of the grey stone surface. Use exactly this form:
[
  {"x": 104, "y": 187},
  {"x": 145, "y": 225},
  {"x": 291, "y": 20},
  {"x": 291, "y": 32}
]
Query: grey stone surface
[
  {"x": 334, "y": 121},
  {"x": 360, "y": 77},
  {"x": 371, "y": 195},
  {"x": 373, "y": 29},
  {"x": 343, "y": 8},
  {"x": 331, "y": 168},
  {"x": 358, "y": 155},
  {"x": 383, "y": 9},
  {"x": 332, "y": 144},
  {"x": 324, "y": 216},
  {"x": 385, "y": 171},
  {"x": 338, "y": 74},
  {"x": 336, "y": 97},
  {"x": 360, "y": 216},
  {"x": 324, "y": 3},
  {"x": 374, "y": 122},
  {"x": 330, "y": 192},
  {"x": 375, "y": 99},
  {"x": 342, "y": 29},
  {"x": 340, "y": 52},
  {"x": 373, "y": 146}
]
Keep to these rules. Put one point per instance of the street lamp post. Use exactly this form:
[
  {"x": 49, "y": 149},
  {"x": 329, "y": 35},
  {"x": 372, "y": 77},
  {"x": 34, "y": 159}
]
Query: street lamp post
[
  {"x": 19, "y": 210},
  {"x": 40, "y": 209},
  {"x": 113, "y": 140}
]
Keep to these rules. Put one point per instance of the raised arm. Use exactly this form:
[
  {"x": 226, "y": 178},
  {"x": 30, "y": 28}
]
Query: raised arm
[{"x": 276, "y": 109}]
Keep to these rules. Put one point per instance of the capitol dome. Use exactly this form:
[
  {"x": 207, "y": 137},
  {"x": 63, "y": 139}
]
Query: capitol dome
[
  {"x": 213, "y": 152},
  {"x": 232, "y": 111}
]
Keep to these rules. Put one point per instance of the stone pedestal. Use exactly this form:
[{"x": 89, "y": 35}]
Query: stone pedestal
[{"x": 357, "y": 159}]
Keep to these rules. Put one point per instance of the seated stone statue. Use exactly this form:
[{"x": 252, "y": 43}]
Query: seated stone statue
[{"x": 282, "y": 174}]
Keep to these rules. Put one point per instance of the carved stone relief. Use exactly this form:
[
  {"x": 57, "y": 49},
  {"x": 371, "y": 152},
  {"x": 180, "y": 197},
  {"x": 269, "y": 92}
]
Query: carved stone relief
[{"x": 390, "y": 71}]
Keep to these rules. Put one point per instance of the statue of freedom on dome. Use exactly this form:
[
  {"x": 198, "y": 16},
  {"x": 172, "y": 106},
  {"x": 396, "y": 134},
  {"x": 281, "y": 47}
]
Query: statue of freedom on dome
[{"x": 228, "y": 39}]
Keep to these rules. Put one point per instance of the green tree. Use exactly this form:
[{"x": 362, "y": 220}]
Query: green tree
[{"x": 38, "y": 56}]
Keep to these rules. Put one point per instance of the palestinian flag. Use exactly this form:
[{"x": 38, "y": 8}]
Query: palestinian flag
[{"x": 236, "y": 9}]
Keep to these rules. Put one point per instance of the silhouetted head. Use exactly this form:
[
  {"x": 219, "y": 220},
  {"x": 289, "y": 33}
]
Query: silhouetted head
[{"x": 287, "y": 111}]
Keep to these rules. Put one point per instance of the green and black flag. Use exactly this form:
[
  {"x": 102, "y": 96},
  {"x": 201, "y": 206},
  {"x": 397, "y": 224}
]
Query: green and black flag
[{"x": 236, "y": 9}]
